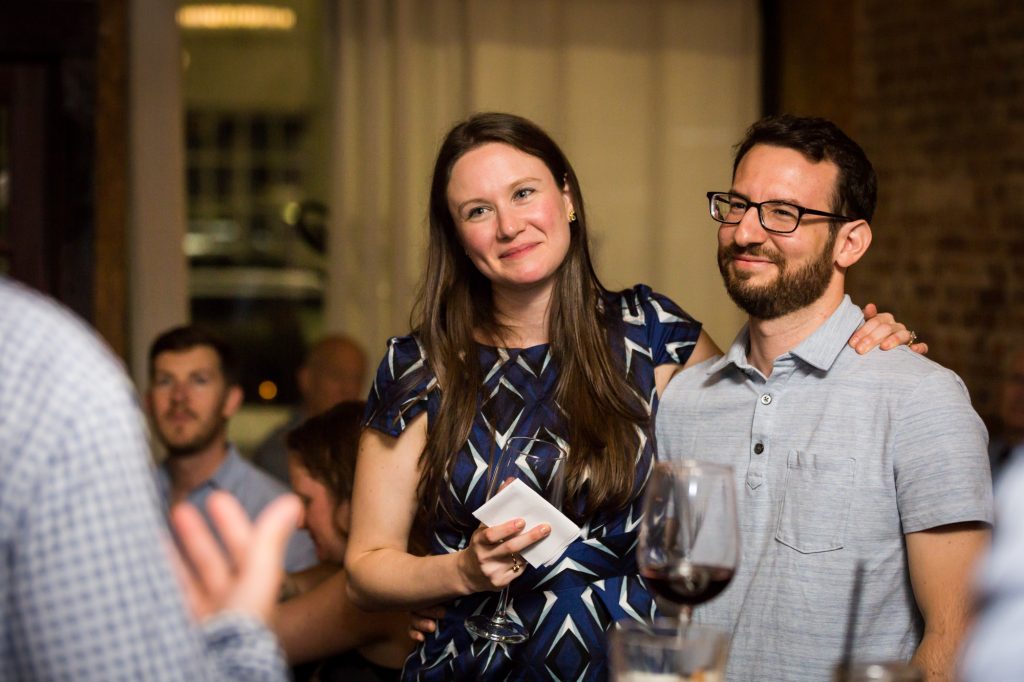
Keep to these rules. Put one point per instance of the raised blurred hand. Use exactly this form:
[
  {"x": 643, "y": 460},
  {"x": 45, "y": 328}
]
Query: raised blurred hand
[{"x": 246, "y": 574}]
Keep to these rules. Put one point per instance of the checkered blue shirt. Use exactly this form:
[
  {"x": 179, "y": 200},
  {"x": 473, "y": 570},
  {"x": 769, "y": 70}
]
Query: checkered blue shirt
[{"x": 86, "y": 588}]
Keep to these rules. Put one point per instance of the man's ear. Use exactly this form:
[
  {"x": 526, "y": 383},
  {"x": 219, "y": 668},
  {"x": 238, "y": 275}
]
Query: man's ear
[
  {"x": 852, "y": 242},
  {"x": 233, "y": 402}
]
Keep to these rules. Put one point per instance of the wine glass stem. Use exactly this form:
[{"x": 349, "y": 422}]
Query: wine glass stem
[
  {"x": 685, "y": 615},
  {"x": 499, "y": 612}
]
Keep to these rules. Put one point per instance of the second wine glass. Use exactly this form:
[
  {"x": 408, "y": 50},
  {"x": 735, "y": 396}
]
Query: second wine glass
[
  {"x": 689, "y": 537},
  {"x": 540, "y": 464}
]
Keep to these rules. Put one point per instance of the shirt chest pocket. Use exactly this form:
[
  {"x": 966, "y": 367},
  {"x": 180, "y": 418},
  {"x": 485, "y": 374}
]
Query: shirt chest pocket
[{"x": 816, "y": 502}]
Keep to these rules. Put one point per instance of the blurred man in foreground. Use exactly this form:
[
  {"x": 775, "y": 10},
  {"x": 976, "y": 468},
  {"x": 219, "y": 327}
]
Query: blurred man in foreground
[{"x": 87, "y": 586}]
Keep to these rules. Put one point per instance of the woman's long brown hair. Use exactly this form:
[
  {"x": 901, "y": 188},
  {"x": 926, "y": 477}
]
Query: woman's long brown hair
[{"x": 602, "y": 409}]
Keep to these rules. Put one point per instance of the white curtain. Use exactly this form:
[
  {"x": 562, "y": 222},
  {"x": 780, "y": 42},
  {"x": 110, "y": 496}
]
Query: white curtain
[{"x": 646, "y": 97}]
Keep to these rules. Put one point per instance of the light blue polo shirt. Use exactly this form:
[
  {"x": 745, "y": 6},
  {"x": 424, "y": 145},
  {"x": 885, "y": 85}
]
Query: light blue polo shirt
[
  {"x": 254, "y": 489},
  {"x": 836, "y": 456}
]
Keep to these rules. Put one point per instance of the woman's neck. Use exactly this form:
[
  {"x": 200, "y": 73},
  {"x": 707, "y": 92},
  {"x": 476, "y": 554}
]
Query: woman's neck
[{"x": 522, "y": 315}]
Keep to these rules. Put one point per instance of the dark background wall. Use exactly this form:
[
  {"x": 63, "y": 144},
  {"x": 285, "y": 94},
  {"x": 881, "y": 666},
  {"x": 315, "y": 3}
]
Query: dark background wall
[
  {"x": 934, "y": 91},
  {"x": 63, "y": 83}
]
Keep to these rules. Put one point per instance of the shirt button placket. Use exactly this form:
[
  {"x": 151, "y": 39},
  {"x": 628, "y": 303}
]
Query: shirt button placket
[{"x": 758, "y": 463}]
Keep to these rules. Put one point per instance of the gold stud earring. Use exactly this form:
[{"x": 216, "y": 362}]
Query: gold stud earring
[{"x": 572, "y": 215}]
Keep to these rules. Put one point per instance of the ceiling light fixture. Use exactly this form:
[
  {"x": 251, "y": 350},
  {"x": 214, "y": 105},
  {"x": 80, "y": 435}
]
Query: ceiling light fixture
[{"x": 236, "y": 17}]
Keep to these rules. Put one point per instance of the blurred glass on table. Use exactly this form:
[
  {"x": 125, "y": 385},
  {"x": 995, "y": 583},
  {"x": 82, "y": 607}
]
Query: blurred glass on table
[
  {"x": 666, "y": 652},
  {"x": 889, "y": 671}
]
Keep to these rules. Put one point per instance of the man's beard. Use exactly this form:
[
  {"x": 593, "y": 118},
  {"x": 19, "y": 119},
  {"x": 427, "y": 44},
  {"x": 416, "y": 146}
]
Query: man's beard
[
  {"x": 789, "y": 292},
  {"x": 208, "y": 432}
]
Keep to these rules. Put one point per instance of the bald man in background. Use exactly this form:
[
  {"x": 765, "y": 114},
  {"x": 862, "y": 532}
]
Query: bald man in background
[{"x": 334, "y": 370}]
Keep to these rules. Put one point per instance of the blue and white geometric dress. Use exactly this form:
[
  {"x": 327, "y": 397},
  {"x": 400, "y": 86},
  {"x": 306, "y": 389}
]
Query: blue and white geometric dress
[{"x": 569, "y": 606}]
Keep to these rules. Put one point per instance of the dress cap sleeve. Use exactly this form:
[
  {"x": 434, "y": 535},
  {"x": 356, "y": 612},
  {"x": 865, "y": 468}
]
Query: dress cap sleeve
[
  {"x": 401, "y": 387},
  {"x": 671, "y": 332}
]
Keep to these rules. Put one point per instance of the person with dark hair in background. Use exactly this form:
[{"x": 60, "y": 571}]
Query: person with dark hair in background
[
  {"x": 193, "y": 393},
  {"x": 333, "y": 370},
  {"x": 357, "y": 646},
  {"x": 87, "y": 581},
  {"x": 842, "y": 460},
  {"x": 514, "y": 336}
]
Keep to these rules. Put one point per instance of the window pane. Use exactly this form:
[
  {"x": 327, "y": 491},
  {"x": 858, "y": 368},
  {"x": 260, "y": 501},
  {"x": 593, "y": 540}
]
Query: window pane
[{"x": 252, "y": 101}]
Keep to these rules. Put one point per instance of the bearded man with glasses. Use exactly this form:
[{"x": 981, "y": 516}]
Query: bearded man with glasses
[{"x": 862, "y": 480}]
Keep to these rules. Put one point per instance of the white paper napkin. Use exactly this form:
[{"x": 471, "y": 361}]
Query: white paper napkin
[{"x": 518, "y": 500}]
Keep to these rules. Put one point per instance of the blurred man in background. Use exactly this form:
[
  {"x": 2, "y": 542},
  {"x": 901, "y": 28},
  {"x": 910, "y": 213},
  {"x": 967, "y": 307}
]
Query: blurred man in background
[
  {"x": 334, "y": 371},
  {"x": 193, "y": 392}
]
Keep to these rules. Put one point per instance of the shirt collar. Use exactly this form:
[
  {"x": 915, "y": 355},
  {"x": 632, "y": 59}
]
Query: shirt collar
[
  {"x": 818, "y": 350},
  {"x": 230, "y": 472}
]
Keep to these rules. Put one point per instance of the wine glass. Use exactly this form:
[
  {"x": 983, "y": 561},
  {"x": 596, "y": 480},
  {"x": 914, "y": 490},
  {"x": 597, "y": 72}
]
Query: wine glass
[
  {"x": 539, "y": 464},
  {"x": 660, "y": 651},
  {"x": 689, "y": 538}
]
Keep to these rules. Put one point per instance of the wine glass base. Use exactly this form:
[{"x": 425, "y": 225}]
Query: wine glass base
[{"x": 496, "y": 629}]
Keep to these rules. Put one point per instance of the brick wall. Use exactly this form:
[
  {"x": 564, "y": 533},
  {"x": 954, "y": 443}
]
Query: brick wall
[
  {"x": 939, "y": 107},
  {"x": 934, "y": 91}
]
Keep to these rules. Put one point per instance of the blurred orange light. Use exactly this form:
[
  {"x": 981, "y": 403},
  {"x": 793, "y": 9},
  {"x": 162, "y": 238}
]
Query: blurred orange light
[{"x": 267, "y": 390}]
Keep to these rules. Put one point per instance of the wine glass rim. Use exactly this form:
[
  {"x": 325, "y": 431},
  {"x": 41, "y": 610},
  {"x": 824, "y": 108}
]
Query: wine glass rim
[{"x": 696, "y": 464}]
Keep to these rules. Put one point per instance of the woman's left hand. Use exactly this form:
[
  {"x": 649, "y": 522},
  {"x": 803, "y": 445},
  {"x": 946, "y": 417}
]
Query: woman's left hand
[{"x": 882, "y": 330}]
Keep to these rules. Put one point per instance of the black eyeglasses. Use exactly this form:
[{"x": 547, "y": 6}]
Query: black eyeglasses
[{"x": 776, "y": 216}]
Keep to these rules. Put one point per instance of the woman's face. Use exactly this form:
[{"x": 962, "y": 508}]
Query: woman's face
[
  {"x": 511, "y": 216},
  {"x": 326, "y": 520}
]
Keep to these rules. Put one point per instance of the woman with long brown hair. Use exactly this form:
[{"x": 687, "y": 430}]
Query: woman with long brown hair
[{"x": 514, "y": 335}]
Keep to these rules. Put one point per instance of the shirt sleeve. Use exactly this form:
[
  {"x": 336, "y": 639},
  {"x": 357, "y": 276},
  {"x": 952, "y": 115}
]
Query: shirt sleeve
[
  {"x": 401, "y": 389},
  {"x": 940, "y": 455},
  {"x": 242, "y": 649},
  {"x": 671, "y": 332}
]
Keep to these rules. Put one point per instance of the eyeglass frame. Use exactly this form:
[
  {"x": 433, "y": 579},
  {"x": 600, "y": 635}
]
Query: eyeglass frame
[{"x": 800, "y": 211}]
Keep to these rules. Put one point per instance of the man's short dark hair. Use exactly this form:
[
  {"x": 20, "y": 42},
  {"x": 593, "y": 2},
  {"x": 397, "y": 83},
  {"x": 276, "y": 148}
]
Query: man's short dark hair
[
  {"x": 187, "y": 337},
  {"x": 819, "y": 139}
]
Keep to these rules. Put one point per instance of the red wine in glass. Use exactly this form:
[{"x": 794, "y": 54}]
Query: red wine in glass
[
  {"x": 690, "y": 584},
  {"x": 688, "y": 547}
]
